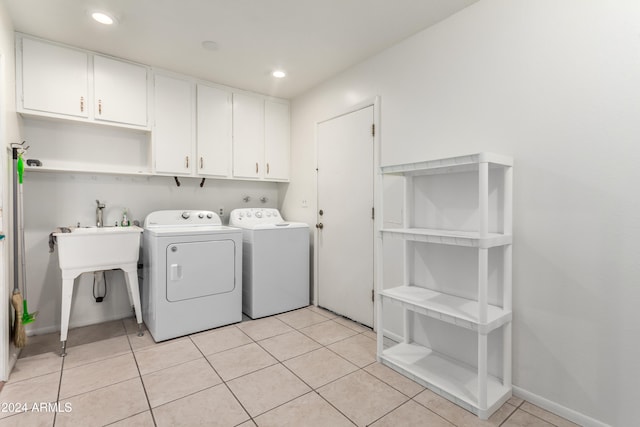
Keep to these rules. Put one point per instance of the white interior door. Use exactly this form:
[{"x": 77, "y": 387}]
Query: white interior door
[{"x": 345, "y": 215}]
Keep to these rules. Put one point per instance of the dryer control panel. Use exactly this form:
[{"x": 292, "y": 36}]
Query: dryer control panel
[
  {"x": 175, "y": 218},
  {"x": 247, "y": 217}
]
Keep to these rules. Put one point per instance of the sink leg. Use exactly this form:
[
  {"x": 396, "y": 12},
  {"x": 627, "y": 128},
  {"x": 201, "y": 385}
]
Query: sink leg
[
  {"x": 67, "y": 295},
  {"x": 131, "y": 279}
]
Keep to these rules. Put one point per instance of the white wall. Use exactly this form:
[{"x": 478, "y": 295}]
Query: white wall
[
  {"x": 63, "y": 199},
  {"x": 9, "y": 133},
  {"x": 556, "y": 85}
]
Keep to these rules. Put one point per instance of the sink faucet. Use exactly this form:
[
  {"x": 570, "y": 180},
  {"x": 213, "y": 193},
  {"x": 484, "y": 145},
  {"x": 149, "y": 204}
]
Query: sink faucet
[{"x": 99, "y": 222}]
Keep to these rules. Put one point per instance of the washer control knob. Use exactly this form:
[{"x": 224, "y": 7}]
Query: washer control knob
[
  {"x": 209, "y": 215},
  {"x": 248, "y": 214},
  {"x": 200, "y": 215},
  {"x": 186, "y": 215},
  {"x": 258, "y": 214}
]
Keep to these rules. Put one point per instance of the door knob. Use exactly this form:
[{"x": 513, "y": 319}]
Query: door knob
[{"x": 320, "y": 226}]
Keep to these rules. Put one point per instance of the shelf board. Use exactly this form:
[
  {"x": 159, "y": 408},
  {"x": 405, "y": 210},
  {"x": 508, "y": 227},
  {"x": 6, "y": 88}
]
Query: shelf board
[
  {"x": 449, "y": 378},
  {"x": 449, "y": 237},
  {"x": 69, "y": 168},
  {"x": 447, "y": 308},
  {"x": 63, "y": 118},
  {"x": 449, "y": 165}
]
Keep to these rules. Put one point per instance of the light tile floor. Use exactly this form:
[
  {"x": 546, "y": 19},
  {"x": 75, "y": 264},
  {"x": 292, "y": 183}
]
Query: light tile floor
[{"x": 307, "y": 367}]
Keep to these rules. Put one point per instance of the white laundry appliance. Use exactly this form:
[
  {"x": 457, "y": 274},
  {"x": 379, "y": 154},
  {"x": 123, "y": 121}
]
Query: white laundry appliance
[
  {"x": 192, "y": 269},
  {"x": 275, "y": 262}
]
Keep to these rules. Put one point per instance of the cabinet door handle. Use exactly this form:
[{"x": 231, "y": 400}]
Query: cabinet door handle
[
  {"x": 267, "y": 168},
  {"x": 100, "y": 106},
  {"x": 201, "y": 162},
  {"x": 82, "y": 104},
  {"x": 256, "y": 167},
  {"x": 187, "y": 161}
]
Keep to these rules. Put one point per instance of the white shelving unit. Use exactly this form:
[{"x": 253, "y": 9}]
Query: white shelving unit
[{"x": 471, "y": 387}]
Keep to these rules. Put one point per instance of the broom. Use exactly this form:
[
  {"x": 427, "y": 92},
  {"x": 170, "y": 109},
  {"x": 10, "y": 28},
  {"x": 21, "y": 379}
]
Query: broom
[
  {"x": 26, "y": 316},
  {"x": 19, "y": 334}
]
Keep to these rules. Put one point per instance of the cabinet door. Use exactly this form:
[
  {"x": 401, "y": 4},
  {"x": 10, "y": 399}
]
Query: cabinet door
[
  {"x": 248, "y": 136},
  {"x": 276, "y": 140},
  {"x": 54, "y": 79},
  {"x": 173, "y": 130},
  {"x": 120, "y": 90},
  {"x": 213, "y": 131}
]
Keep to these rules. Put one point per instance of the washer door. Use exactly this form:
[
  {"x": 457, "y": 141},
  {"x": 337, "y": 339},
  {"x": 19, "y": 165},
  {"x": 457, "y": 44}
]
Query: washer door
[{"x": 200, "y": 269}]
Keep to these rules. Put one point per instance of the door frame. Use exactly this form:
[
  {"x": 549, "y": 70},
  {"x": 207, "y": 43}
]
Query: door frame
[{"x": 369, "y": 102}]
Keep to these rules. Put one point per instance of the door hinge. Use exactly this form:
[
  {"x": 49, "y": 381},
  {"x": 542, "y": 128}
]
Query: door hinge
[
  {"x": 373, "y": 213},
  {"x": 373, "y": 293},
  {"x": 373, "y": 129}
]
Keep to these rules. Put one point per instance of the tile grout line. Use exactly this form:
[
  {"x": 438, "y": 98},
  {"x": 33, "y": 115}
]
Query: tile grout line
[
  {"x": 146, "y": 395},
  {"x": 311, "y": 389},
  {"x": 431, "y": 410},
  {"x": 516, "y": 407},
  {"x": 538, "y": 417},
  {"x": 223, "y": 381},
  {"x": 55, "y": 416},
  {"x": 103, "y": 387},
  {"x": 315, "y": 390},
  {"x": 409, "y": 398}
]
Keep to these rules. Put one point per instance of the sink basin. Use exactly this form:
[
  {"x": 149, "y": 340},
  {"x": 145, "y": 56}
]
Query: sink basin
[{"x": 93, "y": 248}]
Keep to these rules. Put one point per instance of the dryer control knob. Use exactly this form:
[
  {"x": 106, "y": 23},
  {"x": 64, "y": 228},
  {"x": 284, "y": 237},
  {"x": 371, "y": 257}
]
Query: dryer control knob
[
  {"x": 186, "y": 215},
  {"x": 209, "y": 215},
  {"x": 248, "y": 214},
  {"x": 258, "y": 214},
  {"x": 200, "y": 215}
]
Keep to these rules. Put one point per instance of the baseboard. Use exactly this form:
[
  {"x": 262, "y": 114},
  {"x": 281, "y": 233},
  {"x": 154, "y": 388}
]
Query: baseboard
[
  {"x": 557, "y": 409},
  {"x": 393, "y": 336},
  {"x": 56, "y": 328}
]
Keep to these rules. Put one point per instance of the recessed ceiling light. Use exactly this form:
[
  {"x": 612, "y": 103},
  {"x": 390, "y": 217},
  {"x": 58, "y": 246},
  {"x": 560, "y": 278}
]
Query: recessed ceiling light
[
  {"x": 210, "y": 45},
  {"x": 103, "y": 18},
  {"x": 279, "y": 74}
]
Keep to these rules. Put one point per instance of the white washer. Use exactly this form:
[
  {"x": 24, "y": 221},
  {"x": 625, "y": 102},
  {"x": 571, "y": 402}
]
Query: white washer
[
  {"x": 192, "y": 273},
  {"x": 275, "y": 259}
]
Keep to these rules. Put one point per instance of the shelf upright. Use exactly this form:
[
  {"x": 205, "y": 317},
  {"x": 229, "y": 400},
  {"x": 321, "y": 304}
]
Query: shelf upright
[{"x": 474, "y": 389}]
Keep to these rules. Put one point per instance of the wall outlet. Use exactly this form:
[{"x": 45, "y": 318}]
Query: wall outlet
[
  {"x": 305, "y": 204},
  {"x": 221, "y": 211}
]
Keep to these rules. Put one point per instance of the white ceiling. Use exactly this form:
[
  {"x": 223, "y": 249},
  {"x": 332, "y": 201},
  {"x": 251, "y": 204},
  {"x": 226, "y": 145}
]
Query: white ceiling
[{"x": 311, "y": 39}]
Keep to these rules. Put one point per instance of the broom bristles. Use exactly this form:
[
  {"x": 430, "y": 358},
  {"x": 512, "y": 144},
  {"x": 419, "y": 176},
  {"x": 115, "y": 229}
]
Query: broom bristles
[{"x": 19, "y": 334}]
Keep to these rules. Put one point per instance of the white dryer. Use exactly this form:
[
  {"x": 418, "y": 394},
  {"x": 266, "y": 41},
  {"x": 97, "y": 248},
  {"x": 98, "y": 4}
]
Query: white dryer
[
  {"x": 192, "y": 273},
  {"x": 275, "y": 260}
]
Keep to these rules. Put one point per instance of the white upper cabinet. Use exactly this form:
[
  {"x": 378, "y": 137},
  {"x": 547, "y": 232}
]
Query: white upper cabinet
[
  {"x": 54, "y": 79},
  {"x": 276, "y": 140},
  {"x": 120, "y": 91},
  {"x": 213, "y": 131},
  {"x": 248, "y": 136},
  {"x": 173, "y": 128},
  {"x": 197, "y": 128},
  {"x": 261, "y": 138}
]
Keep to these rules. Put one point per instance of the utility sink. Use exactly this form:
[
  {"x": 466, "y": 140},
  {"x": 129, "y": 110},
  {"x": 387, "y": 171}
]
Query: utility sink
[
  {"x": 98, "y": 248},
  {"x": 87, "y": 249}
]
